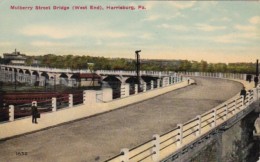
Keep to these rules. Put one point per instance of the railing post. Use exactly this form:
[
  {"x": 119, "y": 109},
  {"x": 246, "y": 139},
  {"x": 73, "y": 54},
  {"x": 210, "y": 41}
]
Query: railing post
[
  {"x": 198, "y": 132},
  {"x": 124, "y": 155},
  {"x": 243, "y": 99},
  {"x": 70, "y": 100},
  {"x": 127, "y": 89},
  {"x": 172, "y": 79},
  {"x": 255, "y": 94},
  {"x": 107, "y": 94},
  {"x": 258, "y": 92},
  {"x": 247, "y": 99},
  {"x": 156, "y": 147},
  {"x": 152, "y": 84},
  {"x": 124, "y": 90},
  {"x": 252, "y": 93},
  {"x": 11, "y": 113},
  {"x": 136, "y": 88},
  {"x": 144, "y": 87},
  {"x": 214, "y": 115},
  {"x": 238, "y": 105},
  {"x": 90, "y": 97},
  {"x": 158, "y": 83},
  {"x": 226, "y": 111},
  {"x": 84, "y": 97},
  {"x": 234, "y": 109},
  {"x": 180, "y": 135},
  {"x": 54, "y": 103}
]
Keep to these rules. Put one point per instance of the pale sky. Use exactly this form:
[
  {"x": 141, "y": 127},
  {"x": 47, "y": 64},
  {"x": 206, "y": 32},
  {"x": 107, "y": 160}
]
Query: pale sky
[{"x": 214, "y": 31}]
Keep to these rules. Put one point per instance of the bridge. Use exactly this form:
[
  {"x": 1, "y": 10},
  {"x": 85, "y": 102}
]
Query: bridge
[
  {"x": 69, "y": 77},
  {"x": 99, "y": 138}
]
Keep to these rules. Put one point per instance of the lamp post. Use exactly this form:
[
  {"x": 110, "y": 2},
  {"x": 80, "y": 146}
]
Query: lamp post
[
  {"x": 257, "y": 68},
  {"x": 138, "y": 69}
]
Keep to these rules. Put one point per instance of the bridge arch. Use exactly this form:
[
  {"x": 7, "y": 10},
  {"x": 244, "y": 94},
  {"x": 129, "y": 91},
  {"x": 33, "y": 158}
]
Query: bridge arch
[
  {"x": 35, "y": 78},
  {"x": 148, "y": 80},
  {"x": 132, "y": 80},
  {"x": 20, "y": 71},
  {"x": 64, "y": 79},
  {"x": 114, "y": 83},
  {"x": 74, "y": 80},
  {"x": 36, "y": 73},
  {"x": 112, "y": 79},
  {"x": 27, "y": 72},
  {"x": 45, "y": 75}
]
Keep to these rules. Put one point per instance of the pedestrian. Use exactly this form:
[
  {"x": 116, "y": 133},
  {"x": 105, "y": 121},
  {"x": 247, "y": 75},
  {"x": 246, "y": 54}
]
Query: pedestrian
[
  {"x": 256, "y": 81},
  {"x": 243, "y": 93},
  {"x": 34, "y": 113},
  {"x": 250, "y": 78},
  {"x": 188, "y": 81}
]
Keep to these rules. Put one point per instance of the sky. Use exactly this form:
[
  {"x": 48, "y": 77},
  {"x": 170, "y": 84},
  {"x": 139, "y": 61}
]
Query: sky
[{"x": 214, "y": 31}]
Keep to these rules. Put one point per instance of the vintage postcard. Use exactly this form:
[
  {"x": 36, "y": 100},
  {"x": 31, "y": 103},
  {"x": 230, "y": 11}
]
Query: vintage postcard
[{"x": 129, "y": 80}]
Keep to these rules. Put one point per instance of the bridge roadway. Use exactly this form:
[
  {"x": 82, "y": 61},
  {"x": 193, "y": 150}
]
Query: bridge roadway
[{"x": 100, "y": 137}]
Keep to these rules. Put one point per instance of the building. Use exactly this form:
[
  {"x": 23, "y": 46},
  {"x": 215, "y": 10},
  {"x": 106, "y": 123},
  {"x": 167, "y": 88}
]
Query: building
[{"x": 15, "y": 58}]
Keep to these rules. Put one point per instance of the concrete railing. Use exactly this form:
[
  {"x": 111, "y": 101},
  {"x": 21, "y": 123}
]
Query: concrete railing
[
  {"x": 133, "y": 73},
  {"x": 215, "y": 75},
  {"x": 162, "y": 146}
]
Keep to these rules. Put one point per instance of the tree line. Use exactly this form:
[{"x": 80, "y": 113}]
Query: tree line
[{"x": 84, "y": 62}]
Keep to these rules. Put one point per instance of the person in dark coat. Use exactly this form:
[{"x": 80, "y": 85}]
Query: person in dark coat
[
  {"x": 243, "y": 93},
  {"x": 256, "y": 81},
  {"x": 34, "y": 113},
  {"x": 250, "y": 78}
]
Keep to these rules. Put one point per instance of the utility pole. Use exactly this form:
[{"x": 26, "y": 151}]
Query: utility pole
[
  {"x": 138, "y": 69},
  {"x": 257, "y": 68}
]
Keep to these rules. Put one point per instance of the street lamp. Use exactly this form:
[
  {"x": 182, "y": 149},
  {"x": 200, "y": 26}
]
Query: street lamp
[{"x": 138, "y": 68}]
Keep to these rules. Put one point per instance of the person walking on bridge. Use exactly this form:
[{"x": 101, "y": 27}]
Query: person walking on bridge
[
  {"x": 243, "y": 93},
  {"x": 256, "y": 81},
  {"x": 34, "y": 113}
]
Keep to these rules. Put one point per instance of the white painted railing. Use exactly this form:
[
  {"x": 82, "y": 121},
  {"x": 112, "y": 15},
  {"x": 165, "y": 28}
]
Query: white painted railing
[
  {"x": 169, "y": 143},
  {"x": 133, "y": 73}
]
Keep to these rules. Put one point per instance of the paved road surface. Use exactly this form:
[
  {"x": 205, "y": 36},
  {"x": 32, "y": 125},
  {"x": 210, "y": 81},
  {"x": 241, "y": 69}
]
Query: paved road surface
[{"x": 97, "y": 138}]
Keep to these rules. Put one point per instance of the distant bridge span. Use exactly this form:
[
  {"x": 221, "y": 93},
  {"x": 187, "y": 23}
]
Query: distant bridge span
[{"x": 31, "y": 74}]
